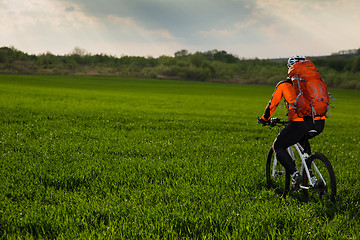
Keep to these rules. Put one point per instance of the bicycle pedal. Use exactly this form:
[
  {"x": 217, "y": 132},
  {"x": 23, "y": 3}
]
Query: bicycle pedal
[
  {"x": 319, "y": 188},
  {"x": 295, "y": 188}
]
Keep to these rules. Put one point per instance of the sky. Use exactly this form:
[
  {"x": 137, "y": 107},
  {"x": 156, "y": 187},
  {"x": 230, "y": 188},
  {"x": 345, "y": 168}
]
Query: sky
[{"x": 152, "y": 28}]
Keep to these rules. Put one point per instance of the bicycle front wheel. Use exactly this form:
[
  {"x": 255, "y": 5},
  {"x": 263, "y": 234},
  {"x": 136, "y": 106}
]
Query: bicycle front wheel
[
  {"x": 323, "y": 178},
  {"x": 276, "y": 175}
]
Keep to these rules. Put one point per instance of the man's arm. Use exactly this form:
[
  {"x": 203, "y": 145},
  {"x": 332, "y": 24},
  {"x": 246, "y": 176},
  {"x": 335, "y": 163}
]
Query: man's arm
[{"x": 275, "y": 100}]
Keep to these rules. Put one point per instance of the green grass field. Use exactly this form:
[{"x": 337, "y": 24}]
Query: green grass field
[{"x": 110, "y": 158}]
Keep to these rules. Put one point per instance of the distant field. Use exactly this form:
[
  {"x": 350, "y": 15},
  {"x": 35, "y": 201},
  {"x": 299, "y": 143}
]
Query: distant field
[{"x": 111, "y": 158}]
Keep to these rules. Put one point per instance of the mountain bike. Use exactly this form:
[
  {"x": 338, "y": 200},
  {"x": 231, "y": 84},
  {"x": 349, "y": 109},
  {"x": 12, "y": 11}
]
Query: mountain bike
[{"x": 318, "y": 177}]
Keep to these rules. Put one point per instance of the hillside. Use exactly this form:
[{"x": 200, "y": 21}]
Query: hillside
[{"x": 340, "y": 70}]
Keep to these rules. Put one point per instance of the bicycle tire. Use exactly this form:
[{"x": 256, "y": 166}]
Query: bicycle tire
[
  {"x": 282, "y": 178},
  {"x": 320, "y": 191}
]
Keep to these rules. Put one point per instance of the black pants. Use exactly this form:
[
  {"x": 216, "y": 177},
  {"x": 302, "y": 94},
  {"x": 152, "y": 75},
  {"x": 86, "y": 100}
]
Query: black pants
[{"x": 293, "y": 133}]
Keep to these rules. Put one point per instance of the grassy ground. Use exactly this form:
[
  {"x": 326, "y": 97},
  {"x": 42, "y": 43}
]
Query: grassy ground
[{"x": 84, "y": 157}]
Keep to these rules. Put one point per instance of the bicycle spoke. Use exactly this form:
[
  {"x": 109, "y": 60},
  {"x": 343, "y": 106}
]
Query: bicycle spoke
[
  {"x": 276, "y": 176},
  {"x": 323, "y": 179}
]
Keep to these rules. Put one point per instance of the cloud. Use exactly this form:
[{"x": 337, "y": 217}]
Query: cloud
[
  {"x": 162, "y": 33},
  {"x": 228, "y": 31},
  {"x": 262, "y": 28},
  {"x": 322, "y": 24},
  {"x": 181, "y": 18},
  {"x": 39, "y": 26},
  {"x": 116, "y": 19}
]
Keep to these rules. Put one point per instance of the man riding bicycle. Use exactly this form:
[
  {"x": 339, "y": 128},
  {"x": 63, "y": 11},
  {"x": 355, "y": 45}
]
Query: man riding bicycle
[{"x": 297, "y": 129}]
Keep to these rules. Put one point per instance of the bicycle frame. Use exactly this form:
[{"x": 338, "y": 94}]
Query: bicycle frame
[{"x": 303, "y": 167}]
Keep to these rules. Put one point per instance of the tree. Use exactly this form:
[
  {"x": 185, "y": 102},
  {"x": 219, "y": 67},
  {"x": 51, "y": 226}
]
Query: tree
[
  {"x": 182, "y": 53},
  {"x": 356, "y": 65},
  {"x": 197, "y": 59},
  {"x": 79, "y": 51},
  {"x": 225, "y": 57}
]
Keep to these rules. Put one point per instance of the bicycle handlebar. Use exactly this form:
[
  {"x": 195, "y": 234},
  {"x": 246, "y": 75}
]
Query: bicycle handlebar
[
  {"x": 278, "y": 121},
  {"x": 274, "y": 122}
]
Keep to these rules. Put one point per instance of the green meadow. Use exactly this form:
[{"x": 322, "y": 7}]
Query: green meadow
[{"x": 115, "y": 158}]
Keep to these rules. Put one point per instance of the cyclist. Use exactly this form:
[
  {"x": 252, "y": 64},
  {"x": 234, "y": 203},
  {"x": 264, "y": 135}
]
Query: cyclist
[{"x": 298, "y": 127}]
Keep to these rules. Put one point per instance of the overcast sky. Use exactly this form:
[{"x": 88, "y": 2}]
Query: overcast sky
[{"x": 245, "y": 28}]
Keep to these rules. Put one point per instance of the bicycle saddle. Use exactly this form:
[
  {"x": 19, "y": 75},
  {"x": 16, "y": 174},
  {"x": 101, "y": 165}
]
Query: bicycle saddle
[{"x": 311, "y": 133}]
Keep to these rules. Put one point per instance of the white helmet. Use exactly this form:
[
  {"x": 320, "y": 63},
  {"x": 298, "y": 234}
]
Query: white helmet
[{"x": 295, "y": 59}]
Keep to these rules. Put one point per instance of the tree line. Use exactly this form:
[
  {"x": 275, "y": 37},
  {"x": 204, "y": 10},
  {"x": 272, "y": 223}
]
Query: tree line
[{"x": 340, "y": 69}]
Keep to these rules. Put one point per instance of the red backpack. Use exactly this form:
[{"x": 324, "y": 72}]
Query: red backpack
[{"x": 312, "y": 93}]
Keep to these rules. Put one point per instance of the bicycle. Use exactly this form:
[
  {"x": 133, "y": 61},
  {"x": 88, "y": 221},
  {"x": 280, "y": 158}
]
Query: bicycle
[{"x": 318, "y": 177}]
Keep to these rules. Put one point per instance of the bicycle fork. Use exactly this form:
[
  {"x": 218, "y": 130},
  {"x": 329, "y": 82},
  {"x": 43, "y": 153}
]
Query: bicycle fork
[
  {"x": 275, "y": 173},
  {"x": 304, "y": 168}
]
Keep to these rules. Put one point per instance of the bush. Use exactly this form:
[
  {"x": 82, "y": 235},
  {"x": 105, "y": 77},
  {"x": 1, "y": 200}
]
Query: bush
[{"x": 337, "y": 70}]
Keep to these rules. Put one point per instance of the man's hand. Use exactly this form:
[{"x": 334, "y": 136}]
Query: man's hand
[{"x": 262, "y": 121}]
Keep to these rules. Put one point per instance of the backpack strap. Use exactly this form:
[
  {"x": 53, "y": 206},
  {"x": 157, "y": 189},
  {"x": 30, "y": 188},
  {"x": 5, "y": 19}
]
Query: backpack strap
[
  {"x": 300, "y": 93},
  {"x": 298, "y": 79},
  {"x": 330, "y": 105},
  {"x": 313, "y": 112},
  {"x": 282, "y": 104},
  {"x": 332, "y": 97}
]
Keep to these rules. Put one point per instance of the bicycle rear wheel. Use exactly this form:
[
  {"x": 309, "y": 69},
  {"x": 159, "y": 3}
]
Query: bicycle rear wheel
[
  {"x": 276, "y": 175},
  {"x": 325, "y": 186}
]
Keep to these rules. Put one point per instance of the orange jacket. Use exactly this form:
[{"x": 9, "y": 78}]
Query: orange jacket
[{"x": 283, "y": 89}]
